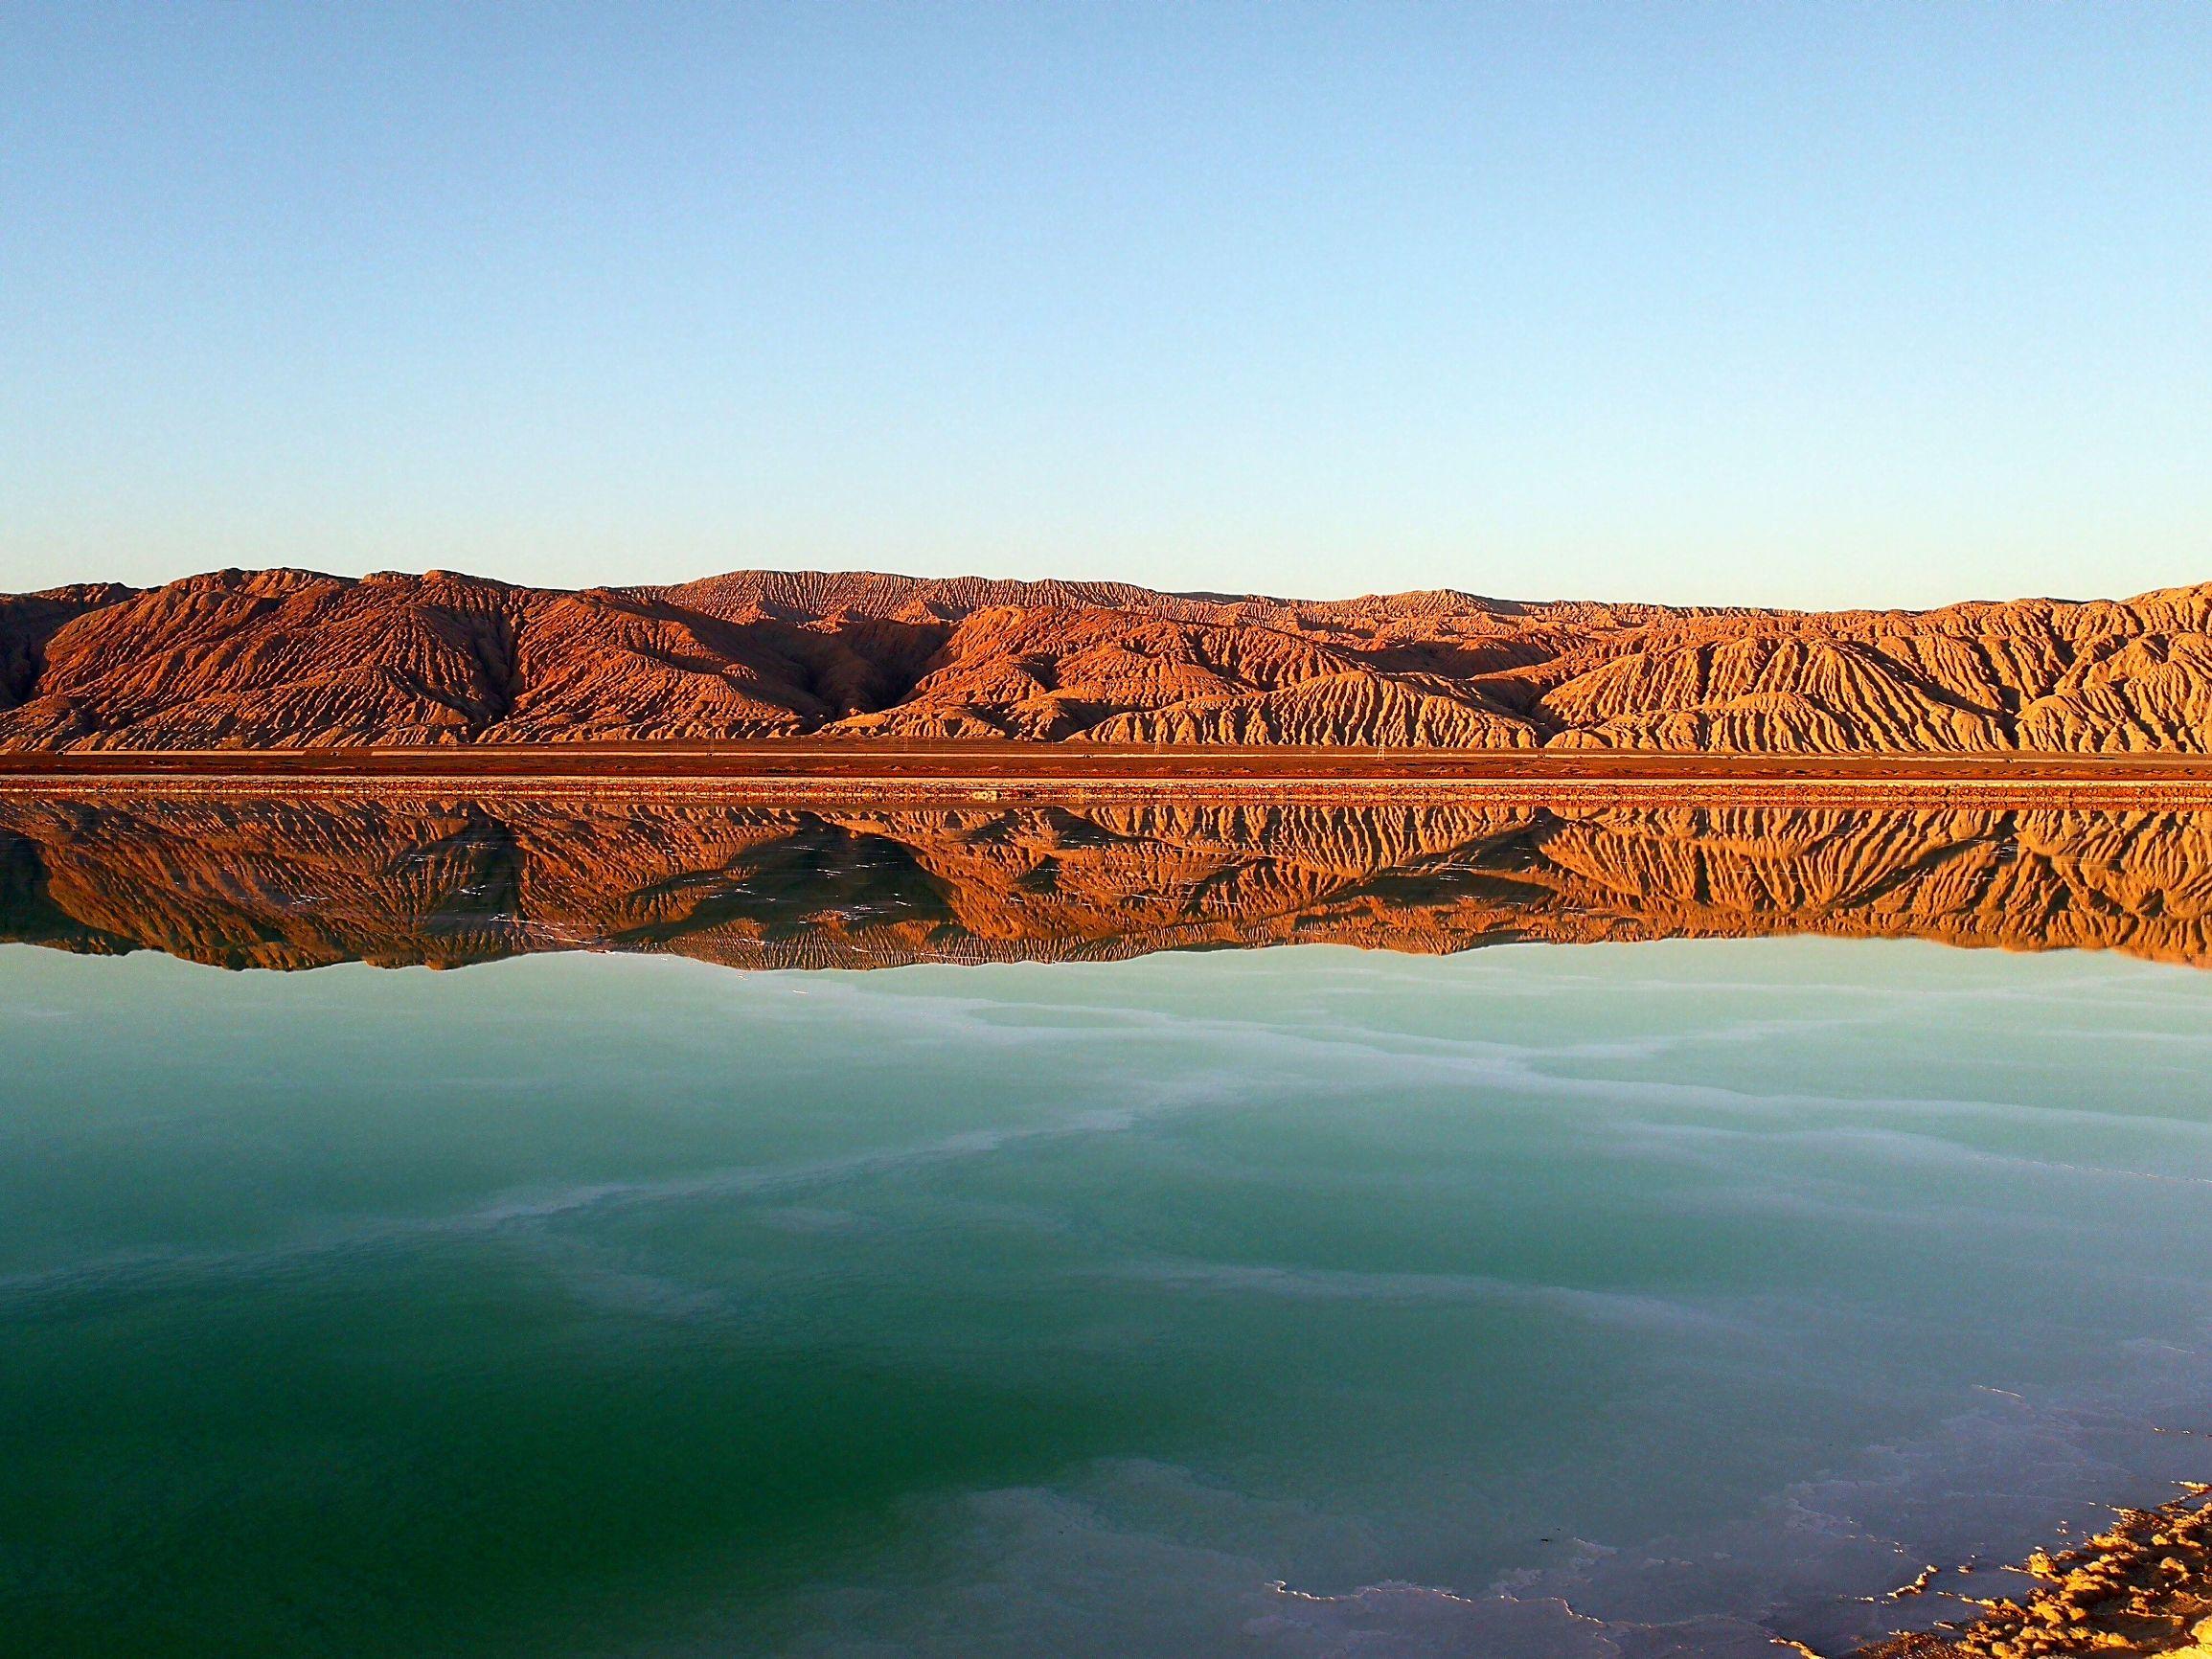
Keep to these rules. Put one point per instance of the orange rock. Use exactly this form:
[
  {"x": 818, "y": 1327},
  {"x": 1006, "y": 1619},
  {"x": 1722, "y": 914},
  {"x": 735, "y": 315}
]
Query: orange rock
[{"x": 288, "y": 657}]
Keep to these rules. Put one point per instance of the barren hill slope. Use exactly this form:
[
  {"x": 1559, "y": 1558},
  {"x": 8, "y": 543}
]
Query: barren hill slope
[{"x": 287, "y": 658}]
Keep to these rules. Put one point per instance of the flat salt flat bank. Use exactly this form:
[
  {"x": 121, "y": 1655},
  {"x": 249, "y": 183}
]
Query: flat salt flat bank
[{"x": 1011, "y": 770}]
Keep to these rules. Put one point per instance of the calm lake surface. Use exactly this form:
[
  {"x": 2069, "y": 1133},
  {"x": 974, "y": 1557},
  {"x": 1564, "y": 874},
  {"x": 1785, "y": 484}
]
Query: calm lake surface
[{"x": 1559, "y": 1300}]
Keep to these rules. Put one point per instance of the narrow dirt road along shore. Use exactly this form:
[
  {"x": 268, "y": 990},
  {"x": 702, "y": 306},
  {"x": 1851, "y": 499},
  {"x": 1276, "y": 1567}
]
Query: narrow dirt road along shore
[{"x": 1012, "y": 771}]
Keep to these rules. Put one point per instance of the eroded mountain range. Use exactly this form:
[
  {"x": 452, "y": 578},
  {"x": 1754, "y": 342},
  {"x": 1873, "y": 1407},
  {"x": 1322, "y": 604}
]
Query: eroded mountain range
[
  {"x": 286, "y": 657},
  {"x": 266, "y": 882}
]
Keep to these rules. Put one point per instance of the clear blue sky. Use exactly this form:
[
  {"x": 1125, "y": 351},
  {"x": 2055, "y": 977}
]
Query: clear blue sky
[{"x": 1793, "y": 303}]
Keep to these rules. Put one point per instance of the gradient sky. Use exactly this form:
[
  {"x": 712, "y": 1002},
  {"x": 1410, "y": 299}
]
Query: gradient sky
[{"x": 1799, "y": 305}]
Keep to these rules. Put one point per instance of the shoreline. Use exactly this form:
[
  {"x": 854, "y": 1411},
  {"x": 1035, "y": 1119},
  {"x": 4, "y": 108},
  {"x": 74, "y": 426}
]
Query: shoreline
[
  {"x": 2139, "y": 1589},
  {"x": 1012, "y": 772}
]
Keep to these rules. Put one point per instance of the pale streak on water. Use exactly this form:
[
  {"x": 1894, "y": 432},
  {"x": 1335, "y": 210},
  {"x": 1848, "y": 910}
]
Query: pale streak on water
[{"x": 1564, "y": 1301}]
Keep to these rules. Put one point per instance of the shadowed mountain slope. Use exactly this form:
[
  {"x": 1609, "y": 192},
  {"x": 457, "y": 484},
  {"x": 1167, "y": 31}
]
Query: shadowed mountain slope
[{"x": 289, "y": 658}]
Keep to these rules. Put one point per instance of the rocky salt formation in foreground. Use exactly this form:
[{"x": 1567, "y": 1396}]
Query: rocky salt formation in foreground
[
  {"x": 288, "y": 657},
  {"x": 2142, "y": 1588}
]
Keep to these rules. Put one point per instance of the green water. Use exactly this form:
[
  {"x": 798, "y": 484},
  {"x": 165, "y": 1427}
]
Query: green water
[{"x": 1299, "y": 1302}]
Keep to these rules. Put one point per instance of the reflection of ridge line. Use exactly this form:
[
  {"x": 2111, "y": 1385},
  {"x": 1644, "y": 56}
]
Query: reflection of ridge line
[{"x": 300, "y": 882}]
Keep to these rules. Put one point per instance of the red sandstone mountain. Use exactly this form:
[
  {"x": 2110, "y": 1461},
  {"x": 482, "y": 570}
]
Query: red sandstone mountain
[{"x": 285, "y": 658}]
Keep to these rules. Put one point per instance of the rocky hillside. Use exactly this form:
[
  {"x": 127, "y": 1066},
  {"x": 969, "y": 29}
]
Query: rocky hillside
[{"x": 286, "y": 657}]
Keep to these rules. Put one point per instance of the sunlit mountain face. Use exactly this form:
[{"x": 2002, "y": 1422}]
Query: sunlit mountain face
[{"x": 275, "y": 657}]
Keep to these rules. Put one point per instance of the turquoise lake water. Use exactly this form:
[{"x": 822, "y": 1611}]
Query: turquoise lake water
[{"x": 1605, "y": 1299}]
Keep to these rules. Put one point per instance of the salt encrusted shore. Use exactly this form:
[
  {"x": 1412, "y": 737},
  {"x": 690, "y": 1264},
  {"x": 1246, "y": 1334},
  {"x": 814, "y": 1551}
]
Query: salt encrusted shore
[{"x": 2141, "y": 1587}]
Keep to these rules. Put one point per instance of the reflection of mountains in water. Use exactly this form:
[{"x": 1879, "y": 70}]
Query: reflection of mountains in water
[{"x": 289, "y": 884}]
